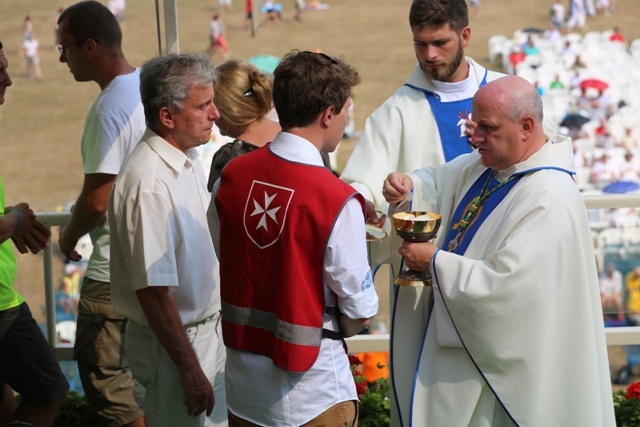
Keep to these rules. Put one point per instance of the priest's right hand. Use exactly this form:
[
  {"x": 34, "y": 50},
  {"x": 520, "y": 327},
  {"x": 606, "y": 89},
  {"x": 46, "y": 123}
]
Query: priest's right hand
[{"x": 397, "y": 187}]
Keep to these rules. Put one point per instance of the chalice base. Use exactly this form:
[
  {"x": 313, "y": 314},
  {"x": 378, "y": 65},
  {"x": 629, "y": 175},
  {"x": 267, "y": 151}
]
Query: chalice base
[{"x": 413, "y": 278}]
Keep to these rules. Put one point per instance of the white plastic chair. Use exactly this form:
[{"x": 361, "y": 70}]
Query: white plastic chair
[
  {"x": 66, "y": 331},
  {"x": 496, "y": 46}
]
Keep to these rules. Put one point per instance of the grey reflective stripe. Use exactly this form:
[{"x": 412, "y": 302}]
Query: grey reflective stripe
[{"x": 295, "y": 334}]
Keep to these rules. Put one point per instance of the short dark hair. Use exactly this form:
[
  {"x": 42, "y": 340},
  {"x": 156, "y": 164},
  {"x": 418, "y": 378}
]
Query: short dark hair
[
  {"x": 0, "y": 45},
  {"x": 93, "y": 20},
  {"x": 438, "y": 13},
  {"x": 306, "y": 83}
]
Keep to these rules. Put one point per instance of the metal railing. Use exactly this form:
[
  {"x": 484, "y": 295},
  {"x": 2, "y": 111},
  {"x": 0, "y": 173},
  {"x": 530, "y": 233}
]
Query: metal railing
[{"x": 359, "y": 343}]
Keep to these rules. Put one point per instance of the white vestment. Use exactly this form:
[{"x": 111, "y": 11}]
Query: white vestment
[
  {"x": 516, "y": 335},
  {"x": 400, "y": 136}
]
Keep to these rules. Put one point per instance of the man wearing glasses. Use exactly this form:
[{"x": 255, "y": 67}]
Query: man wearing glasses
[{"x": 90, "y": 39}]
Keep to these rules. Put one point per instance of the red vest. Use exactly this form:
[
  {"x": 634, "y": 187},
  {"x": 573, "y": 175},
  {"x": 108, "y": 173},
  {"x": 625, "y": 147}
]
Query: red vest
[{"x": 275, "y": 220}]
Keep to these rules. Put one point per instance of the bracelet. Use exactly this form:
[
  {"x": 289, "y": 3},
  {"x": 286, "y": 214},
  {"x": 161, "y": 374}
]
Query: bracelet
[{"x": 19, "y": 219}]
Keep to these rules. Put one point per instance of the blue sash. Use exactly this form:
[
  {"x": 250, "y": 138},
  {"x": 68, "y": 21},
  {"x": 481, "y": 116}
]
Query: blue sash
[
  {"x": 485, "y": 210},
  {"x": 450, "y": 118}
]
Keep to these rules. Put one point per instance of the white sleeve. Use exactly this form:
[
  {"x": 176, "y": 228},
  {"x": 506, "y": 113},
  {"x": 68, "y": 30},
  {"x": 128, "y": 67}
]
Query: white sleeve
[{"x": 346, "y": 269}]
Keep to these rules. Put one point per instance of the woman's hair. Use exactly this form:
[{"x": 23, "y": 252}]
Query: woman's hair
[{"x": 243, "y": 94}]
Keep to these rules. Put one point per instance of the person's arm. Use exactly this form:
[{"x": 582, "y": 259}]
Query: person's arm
[
  {"x": 213, "y": 219},
  {"x": 347, "y": 270},
  {"x": 418, "y": 256},
  {"x": 19, "y": 223},
  {"x": 396, "y": 187},
  {"x": 162, "y": 314},
  {"x": 351, "y": 327},
  {"x": 9, "y": 223},
  {"x": 88, "y": 212},
  {"x": 375, "y": 155}
]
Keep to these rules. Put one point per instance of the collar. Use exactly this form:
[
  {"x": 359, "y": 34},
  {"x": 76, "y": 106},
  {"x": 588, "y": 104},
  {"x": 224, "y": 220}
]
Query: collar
[
  {"x": 173, "y": 157},
  {"x": 556, "y": 154},
  {"x": 295, "y": 148}
]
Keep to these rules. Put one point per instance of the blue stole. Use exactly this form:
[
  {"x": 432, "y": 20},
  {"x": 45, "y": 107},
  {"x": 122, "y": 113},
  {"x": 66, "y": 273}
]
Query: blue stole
[
  {"x": 450, "y": 118},
  {"x": 485, "y": 210}
]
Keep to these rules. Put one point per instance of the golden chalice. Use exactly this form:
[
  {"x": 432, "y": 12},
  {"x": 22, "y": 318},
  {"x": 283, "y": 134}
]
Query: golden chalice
[{"x": 415, "y": 226}]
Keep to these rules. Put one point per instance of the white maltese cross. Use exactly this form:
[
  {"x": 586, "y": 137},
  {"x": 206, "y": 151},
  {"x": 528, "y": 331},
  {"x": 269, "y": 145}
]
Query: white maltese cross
[{"x": 265, "y": 211}]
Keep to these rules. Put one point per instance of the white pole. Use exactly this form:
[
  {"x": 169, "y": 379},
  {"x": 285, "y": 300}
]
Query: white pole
[{"x": 171, "y": 26}]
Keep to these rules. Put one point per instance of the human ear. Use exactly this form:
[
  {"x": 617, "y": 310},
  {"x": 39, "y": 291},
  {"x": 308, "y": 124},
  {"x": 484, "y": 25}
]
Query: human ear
[{"x": 166, "y": 117}]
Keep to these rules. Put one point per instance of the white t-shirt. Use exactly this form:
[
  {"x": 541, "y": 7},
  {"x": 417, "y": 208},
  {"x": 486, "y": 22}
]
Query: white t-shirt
[
  {"x": 30, "y": 48},
  {"x": 114, "y": 125},
  {"x": 558, "y": 12},
  {"x": 611, "y": 285}
]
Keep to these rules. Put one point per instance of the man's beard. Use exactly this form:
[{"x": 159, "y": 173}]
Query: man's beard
[{"x": 444, "y": 74}]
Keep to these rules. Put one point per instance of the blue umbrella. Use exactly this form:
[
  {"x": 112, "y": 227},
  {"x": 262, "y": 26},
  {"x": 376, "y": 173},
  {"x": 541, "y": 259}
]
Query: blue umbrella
[
  {"x": 265, "y": 63},
  {"x": 621, "y": 187}
]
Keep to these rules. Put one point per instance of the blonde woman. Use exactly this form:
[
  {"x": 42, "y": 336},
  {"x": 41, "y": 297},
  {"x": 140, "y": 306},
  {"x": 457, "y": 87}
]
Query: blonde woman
[{"x": 244, "y": 100}]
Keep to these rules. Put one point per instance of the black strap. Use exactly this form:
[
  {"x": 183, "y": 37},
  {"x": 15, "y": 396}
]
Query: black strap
[
  {"x": 328, "y": 333},
  {"x": 332, "y": 335},
  {"x": 334, "y": 311}
]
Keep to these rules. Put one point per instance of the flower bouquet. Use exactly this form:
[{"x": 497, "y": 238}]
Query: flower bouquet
[
  {"x": 627, "y": 406},
  {"x": 375, "y": 406}
]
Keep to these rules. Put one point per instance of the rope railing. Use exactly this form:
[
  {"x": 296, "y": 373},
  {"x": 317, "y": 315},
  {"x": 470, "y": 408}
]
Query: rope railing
[{"x": 380, "y": 342}]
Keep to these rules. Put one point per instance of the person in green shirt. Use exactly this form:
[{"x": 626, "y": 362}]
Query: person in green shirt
[
  {"x": 27, "y": 364},
  {"x": 556, "y": 83}
]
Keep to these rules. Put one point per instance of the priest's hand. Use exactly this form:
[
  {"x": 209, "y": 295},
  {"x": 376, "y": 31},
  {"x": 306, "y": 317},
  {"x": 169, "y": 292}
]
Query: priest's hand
[
  {"x": 397, "y": 188},
  {"x": 418, "y": 256}
]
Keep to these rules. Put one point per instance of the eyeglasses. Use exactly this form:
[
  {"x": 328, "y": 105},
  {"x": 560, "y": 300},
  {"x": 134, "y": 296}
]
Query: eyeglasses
[
  {"x": 325, "y": 56},
  {"x": 62, "y": 49}
]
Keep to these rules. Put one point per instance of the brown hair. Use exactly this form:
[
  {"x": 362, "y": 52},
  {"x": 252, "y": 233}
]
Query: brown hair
[
  {"x": 438, "y": 13},
  {"x": 306, "y": 83}
]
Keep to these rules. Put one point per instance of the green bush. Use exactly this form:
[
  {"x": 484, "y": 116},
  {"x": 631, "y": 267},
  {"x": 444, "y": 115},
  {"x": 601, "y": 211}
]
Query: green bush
[
  {"x": 76, "y": 412},
  {"x": 627, "y": 406},
  {"x": 375, "y": 406}
]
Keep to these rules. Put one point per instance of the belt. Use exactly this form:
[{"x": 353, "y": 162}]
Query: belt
[{"x": 203, "y": 321}]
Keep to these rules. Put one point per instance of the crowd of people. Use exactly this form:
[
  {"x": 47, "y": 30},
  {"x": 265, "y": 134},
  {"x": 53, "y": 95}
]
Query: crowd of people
[
  {"x": 229, "y": 305},
  {"x": 587, "y": 82}
]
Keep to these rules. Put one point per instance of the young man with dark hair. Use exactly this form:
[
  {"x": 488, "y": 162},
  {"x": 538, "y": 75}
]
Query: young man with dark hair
[{"x": 293, "y": 263}]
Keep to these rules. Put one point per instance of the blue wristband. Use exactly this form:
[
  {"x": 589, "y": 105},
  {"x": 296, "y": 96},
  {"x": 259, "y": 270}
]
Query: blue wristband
[{"x": 19, "y": 219}]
